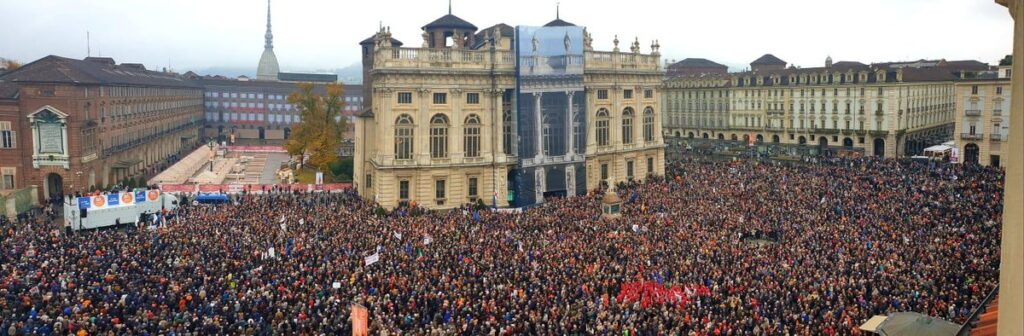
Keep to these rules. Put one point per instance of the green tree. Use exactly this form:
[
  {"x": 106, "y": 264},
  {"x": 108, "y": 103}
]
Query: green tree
[{"x": 321, "y": 129}]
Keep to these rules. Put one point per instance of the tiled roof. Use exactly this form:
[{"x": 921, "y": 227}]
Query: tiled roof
[
  {"x": 306, "y": 77},
  {"x": 369, "y": 40},
  {"x": 559, "y": 23},
  {"x": 219, "y": 84},
  {"x": 504, "y": 30},
  {"x": 56, "y": 69},
  {"x": 768, "y": 59},
  {"x": 450, "y": 21},
  {"x": 696, "y": 63},
  {"x": 8, "y": 90},
  {"x": 965, "y": 65}
]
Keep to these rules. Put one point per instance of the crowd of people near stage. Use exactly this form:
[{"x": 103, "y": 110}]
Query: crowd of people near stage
[{"x": 715, "y": 248}]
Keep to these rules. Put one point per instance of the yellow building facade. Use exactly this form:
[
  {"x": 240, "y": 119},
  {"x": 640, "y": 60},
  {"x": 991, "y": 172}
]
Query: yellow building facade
[
  {"x": 982, "y": 120},
  {"x": 442, "y": 129},
  {"x": 887, "y": 109},
  {"x": 1011, "y": 271}
]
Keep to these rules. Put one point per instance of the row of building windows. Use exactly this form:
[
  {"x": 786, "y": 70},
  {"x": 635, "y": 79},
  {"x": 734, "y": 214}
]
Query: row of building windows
[
  {"x": 603, "y": 122},
  {"x": 251, "y": 95},
  {"x": 439, "y": 126},
  {"x": 440, "y": 189},
  {"x": 124, "y": 91},
  {"x": 439, "y": 98},
  {"x": 629, "y": 169}
]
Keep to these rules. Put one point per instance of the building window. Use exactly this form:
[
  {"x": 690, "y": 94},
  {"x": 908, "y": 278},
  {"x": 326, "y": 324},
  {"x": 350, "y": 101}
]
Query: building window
[
  {"x": 627, "y": 94},
  {"x": 473, "y": 98},
  {"x": 999, "y": 90},
  {"x": 440, "y": 98},
  {"x": 974, "y": 89},
  {"x": 403, "y": 190},
  {"x": 403, "y": 137},
  {"x": 604, "y": 171},
  {"x": 7, "y": 135},
  {"x": 8, "y": 178},
  {"x": 405, "y": 97},
  {"x": 471, "y": 132},
  {"x": 369, "y": 181},
  {"x": 629, "y": 170},
  {"x": 602, "y": 127},
  {"x": 650, "y": 94},
  {"x": 439, "y": 136},
  {"x": 506, "y": 129},
  {"x": 650, "y": 166},
  {"x": 602, "y": 94},
  {"x": 439, "y": 191},
  {"x": 627, "y": 126},
  {"x": 649, "y": 124},
  {"x": 473, "y": 191}
]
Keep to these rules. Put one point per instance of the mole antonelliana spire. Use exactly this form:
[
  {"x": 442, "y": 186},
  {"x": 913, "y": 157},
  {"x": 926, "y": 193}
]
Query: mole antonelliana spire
[{"x": 268, "y": 67}]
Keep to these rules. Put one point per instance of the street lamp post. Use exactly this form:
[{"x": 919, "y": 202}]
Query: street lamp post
[{"x": 211, "y": 155}]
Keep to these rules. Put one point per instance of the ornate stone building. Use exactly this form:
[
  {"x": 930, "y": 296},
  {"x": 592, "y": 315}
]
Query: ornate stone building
[
  {"x": 70, "y": 125},
  {"x": 445, "y": 124},
  {"x": 883, "y": 109}
]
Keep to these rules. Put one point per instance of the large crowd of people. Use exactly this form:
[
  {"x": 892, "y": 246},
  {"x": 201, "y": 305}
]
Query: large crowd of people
[{"x": 714, "y": 248}]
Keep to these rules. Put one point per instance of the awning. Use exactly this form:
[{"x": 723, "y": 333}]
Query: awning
[
  {"x": 125, "y": 164},
  {"x": 872, "y": 324}
]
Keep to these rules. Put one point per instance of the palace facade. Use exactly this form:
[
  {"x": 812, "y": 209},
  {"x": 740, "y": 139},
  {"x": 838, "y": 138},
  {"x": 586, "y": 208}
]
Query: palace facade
[
  {"x": 507, "y": 116},
  {"x": 882, "y": 109},
  {"x": 69, "y": 125}
]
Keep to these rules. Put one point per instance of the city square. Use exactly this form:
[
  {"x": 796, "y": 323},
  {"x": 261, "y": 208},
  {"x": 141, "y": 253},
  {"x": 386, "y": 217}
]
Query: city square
[{"x": 515, "y": 179}]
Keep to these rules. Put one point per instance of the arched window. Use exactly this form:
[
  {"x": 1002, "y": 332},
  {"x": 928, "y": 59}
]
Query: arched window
[
  {"x": 471, "y": 134},
  {"x": 602, "y": 127},
  {"x": 506, "y": 129},
  {"x": 439, "y": 136},
  {"x": 403, "y": 137},
  {"x": 649, "y": 124},
  {"x": 550, "y": 134},
  {"x": 627, "y": 126}
]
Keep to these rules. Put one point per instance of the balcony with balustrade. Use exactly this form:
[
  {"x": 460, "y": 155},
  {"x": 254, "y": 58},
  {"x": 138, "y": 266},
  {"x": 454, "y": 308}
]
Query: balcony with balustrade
[
  {"x": 612, "y": 60},
  {"x": 972, "y": 136},
  {"x": 972, "y": 112},
  {"x": 426, "y": 58}
]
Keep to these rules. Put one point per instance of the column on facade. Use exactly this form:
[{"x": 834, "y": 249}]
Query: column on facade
[
  {"x": 539, "y": 124},
  {"x": 568, "y": 126},
  {"x": 1011, "y": 271}
]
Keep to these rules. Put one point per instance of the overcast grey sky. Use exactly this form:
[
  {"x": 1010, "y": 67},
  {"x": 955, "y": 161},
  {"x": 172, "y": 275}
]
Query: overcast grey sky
[{"x": 323, "y": 34}]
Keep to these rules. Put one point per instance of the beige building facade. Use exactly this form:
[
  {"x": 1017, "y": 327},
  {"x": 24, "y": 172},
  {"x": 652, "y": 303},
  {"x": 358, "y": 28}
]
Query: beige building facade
[
  {"x": 442, "y": 131},
  {"x": 886, "y": 109},
  {"x": 1011, "y": 272},
  {"x": 982, "y": 120}
]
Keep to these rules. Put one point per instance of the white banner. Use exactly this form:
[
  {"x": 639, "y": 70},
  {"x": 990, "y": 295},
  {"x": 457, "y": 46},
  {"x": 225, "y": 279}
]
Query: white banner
[{"x": 372, "y": 259}]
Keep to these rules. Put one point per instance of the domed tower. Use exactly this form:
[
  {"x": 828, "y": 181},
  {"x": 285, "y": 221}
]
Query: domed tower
[
  {"x": 268, "y": 68},
  {"x": 828, "y": 62},
  {"x": 449, "y": 31}
]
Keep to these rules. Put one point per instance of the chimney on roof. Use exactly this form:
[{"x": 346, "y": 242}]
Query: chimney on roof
[{"x": 101, "y": 60}]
